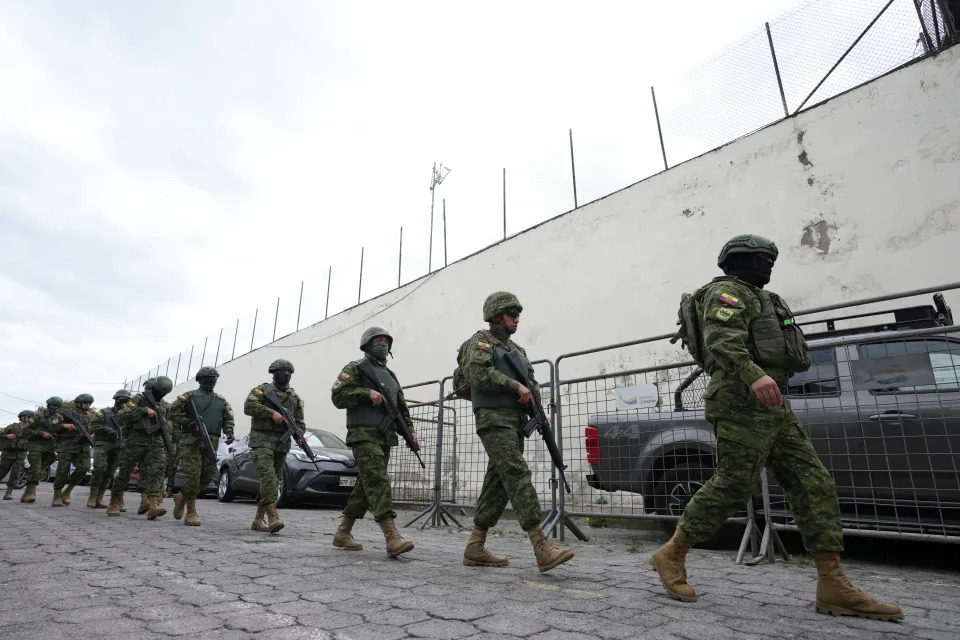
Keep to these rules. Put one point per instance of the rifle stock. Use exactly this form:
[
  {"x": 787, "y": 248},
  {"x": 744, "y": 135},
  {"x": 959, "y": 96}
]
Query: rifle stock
[{"x": 200, "y": 430}]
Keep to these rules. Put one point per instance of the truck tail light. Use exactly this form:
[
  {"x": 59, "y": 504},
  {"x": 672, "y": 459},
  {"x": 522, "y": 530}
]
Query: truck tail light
[{"x": 592, "y": 444}]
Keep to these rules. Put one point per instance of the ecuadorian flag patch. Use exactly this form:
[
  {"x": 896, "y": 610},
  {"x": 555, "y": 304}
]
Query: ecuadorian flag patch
[
  {"x": 483, "y": 346},
  {"x": 257, "y": 391},
  {"x": 131, "y": 405},
  {"x": 182, "y": 397},
  {"x": 729, "y": 299},
  {"x": 343, "y": 376}
]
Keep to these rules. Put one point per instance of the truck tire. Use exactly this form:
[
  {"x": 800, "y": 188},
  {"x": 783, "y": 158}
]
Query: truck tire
[
  {"x": 673, "y": 491},
  {"x": 225, "y": 492}
]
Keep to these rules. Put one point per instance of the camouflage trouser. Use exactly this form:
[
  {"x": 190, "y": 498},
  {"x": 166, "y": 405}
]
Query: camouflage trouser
[
  {"x": 507, "y": 478},
  {"x": 39, "y": 460},
  {"x": 198, "y": 469},
  {"x": 773, "y": 437},
  {"x": 172, "y": 465},
  {"x": 150, "y": 456},
  {"x": 79, "y": 457},
  {"x": 12, "y": 464},
  {"x": 270, "y": 465},
  {"x": 372, "y": 490},
  {"x": 105, "y": 464}
]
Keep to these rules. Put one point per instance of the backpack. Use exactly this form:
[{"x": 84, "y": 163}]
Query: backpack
[
  {"x": 461, "y": 386},
  {"x": 689, "y": 334}
]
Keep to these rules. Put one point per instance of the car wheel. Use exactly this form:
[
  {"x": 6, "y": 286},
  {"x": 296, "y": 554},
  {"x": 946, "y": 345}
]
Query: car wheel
[
  {"x": 674, "y": 491},
  {"x": 45, "y": 475},
  {"x": 22, "y": 479},
  {"x": 225, "y": 491},
  {"x": 283, "y": 496}
]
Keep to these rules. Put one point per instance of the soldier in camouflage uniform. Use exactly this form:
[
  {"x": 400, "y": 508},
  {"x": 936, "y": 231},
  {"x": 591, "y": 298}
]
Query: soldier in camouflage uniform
[
  {"x": 14, "y": 451},
  {"x": 41, "y": 444},
  {"x": 70, "y": 452},
  {"x": 217, "y": 417},
  {"x": 269, "y": 452},
  {"x": 173, "y": 460},
  {"x": 749, "y": 344},
  {"x": 140, "y": 447},
  {"x": 106, "y": 448},
  {"x": 371, "y": 447},
  {"x": 498, "y": 399}
]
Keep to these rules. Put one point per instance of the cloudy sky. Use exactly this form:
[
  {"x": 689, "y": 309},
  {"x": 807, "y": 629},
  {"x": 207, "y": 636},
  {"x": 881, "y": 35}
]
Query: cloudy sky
[{"x": 168, "y": 167}]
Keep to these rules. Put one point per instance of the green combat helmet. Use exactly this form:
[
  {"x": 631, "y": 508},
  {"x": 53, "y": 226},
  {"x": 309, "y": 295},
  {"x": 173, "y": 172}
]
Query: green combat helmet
[
  {"x": 122, "y": 393},
  {"x": 26, "y": 413},
  {"x": 498, "y": 303},
  {"x": 747, "y": 243},
  {"x": 372, "y": 333},
  {"x": 280, "y": 365},
  {"x": 160, "y": 386},
  {"x": 83, "y": 397},
  {"x": 54, "y": 401},
  {"x": 206, "y": 372}
]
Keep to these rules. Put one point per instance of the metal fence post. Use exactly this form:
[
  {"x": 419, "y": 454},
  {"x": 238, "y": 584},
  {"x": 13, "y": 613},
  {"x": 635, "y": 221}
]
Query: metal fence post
[
  {"x": 276, "y": 315},
  {"x": 203, "y": 355},
  {"x": 299, "y": 306},
  {"x": 360, "y": 284},
  {"x": 573, "y": 171},
  {"x": 504, "y": 203},
  {"x": 776, "y": 69},
  {"x": 177, "y": 374},
  {"x": 219, "y": 340},
  {"x": 400, "y": 259},
  {"x": 236, "y": 332},
  {"x": 326, "y": 310},
  {"x": 189, "y": 363},
  {"x": 253, "y": 332},
  {"x": 656, "y": 113},
  {"x": 444, "y": 232},
  {"x": 167, "y": 371}
]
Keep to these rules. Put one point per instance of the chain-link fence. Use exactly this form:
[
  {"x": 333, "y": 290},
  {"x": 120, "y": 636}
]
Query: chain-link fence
[{"x": 814, "y": 52}]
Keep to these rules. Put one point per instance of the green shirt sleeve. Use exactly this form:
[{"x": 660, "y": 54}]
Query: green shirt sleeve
[
  {"x": 228, "y": 420},
  {"x": 726, "y": 312},
  {"x": 347, "y": 392},
  {"x": 254, "y": 407},
  {"x": 476, "y": 363},
  {"x": 131, "y": 412},
  {"x": 178, "y": 411}
]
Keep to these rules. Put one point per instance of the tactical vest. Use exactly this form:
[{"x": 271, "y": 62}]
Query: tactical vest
[
  {"x": 211, "y": 408},
  {"x": 367, "y": 415},
  {"x": 483, "y": 399},
  {"x": 103, "y": 436},
  {"x": 45, "y": 422},
  {"x": 13, "y": 445}
]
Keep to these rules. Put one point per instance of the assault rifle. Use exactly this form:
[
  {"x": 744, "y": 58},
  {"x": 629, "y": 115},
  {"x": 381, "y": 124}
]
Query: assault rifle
[
  {"x": 111, "y": 420},
  {"x": 293, "y": 429},
  {"x": 82, "y": 433},
  {"x": 392, "y": 414},
  {"x": 158, "y": 422},
  {"x": 538, "y": 417},
  {"x": 200, "y": 430}
]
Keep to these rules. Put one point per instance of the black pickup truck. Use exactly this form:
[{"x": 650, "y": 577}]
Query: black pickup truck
[{"x": 881, "y": 404}]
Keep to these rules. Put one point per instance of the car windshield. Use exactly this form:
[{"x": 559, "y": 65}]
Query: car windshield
[{"x": 324, "y": 439}]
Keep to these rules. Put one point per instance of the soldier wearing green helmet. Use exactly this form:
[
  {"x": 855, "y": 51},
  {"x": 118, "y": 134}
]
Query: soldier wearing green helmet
[
  {"x": 142, "y": 448},
  {"x": 269, "y": 450},
  {"x": 498, "y": 398},
  {"x": 371, "y": 447},
  {"x": 41, "y": 444},
  {"x": 217, "y": 415},
  {"x": 104, "y": 428},
  {"x": 745, "y": 337},
  {"x": 13, "y": 450},
  {"x": 70, "y": 452}
]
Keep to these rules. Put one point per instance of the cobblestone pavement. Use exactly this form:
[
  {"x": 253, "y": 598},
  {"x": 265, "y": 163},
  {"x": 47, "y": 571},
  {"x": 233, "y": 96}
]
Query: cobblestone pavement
[{"x": 75, "y": 573}]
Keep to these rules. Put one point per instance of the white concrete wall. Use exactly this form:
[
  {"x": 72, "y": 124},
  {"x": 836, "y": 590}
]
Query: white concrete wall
[{"x": 862, "y": 194}]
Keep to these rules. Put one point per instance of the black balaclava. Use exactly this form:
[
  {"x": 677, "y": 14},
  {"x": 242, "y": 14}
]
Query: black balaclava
[
  {"x": 378, "y": 351},
  {"x": 282, "y": 378},
  {"x": 749, "y": 267},
  {"x": 207, "y": 383}
]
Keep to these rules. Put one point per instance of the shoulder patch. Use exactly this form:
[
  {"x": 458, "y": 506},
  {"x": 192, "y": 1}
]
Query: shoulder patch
[
  {"x": 257, "y": 391},
  {"x": 182, "y": 397},
  {"x": 483, "y": 346},
  {"x": 343, "y": 376},
  {"x": 729, "y": 299},
  {"x": 100, "y": 413},
  {"x": 724, "y": 314},
  {"x": 130, "y": 405}
]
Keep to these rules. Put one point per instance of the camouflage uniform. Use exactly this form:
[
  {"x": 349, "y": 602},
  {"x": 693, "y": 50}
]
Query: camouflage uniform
[
  {"x": 41, "y": 451},
  {"x": 70, "y": 452},
  {"x": 371, "y": 447},
  {"x": 106, "y": 450},
  {"x": 218, "y": 416},
  {"x": 500, "y": 419},
  {"x": 269, "y": 453},
  {"x": 141, "y": 448},
  {"x": 13, "y": 454},
  {"x": 744, "y": 327},
  {"x": 173, "y": 460}
]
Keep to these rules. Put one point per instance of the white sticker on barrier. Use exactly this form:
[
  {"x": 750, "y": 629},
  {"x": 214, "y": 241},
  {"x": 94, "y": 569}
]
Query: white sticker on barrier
[{"x": 640, "y": 396}]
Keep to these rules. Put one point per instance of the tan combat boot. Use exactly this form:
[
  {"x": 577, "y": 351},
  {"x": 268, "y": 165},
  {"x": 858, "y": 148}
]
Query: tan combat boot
[
  {"x": 178, "y": 504},
  {"x": 395, "y": 542},
  {"x": 548, "y": 556},
  {"x": 92, "y": 499},
  {"x": 98, "y": 504},
  {"x": 123, "y": 509},
  {"x": 343, "y": 538},
  {"x": 476, "y": 555},
  {"x": 115, "y": 502},
  {"x": 156, "y": 508},
  {"x": 192, "y": 519},
  {"x": 65, "y": 495},
  {"x": 57, "y": 498},
  {"x": 274, "y": 523},
  {"x": 670, "y": 563},
  {"x": 29, "y": 494},
  {"x": 838, "y": 597},
  {"x": 144, "y": 504},
  {"x": 260, "y": 520},
  {"x": 9, "y": 494}
]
